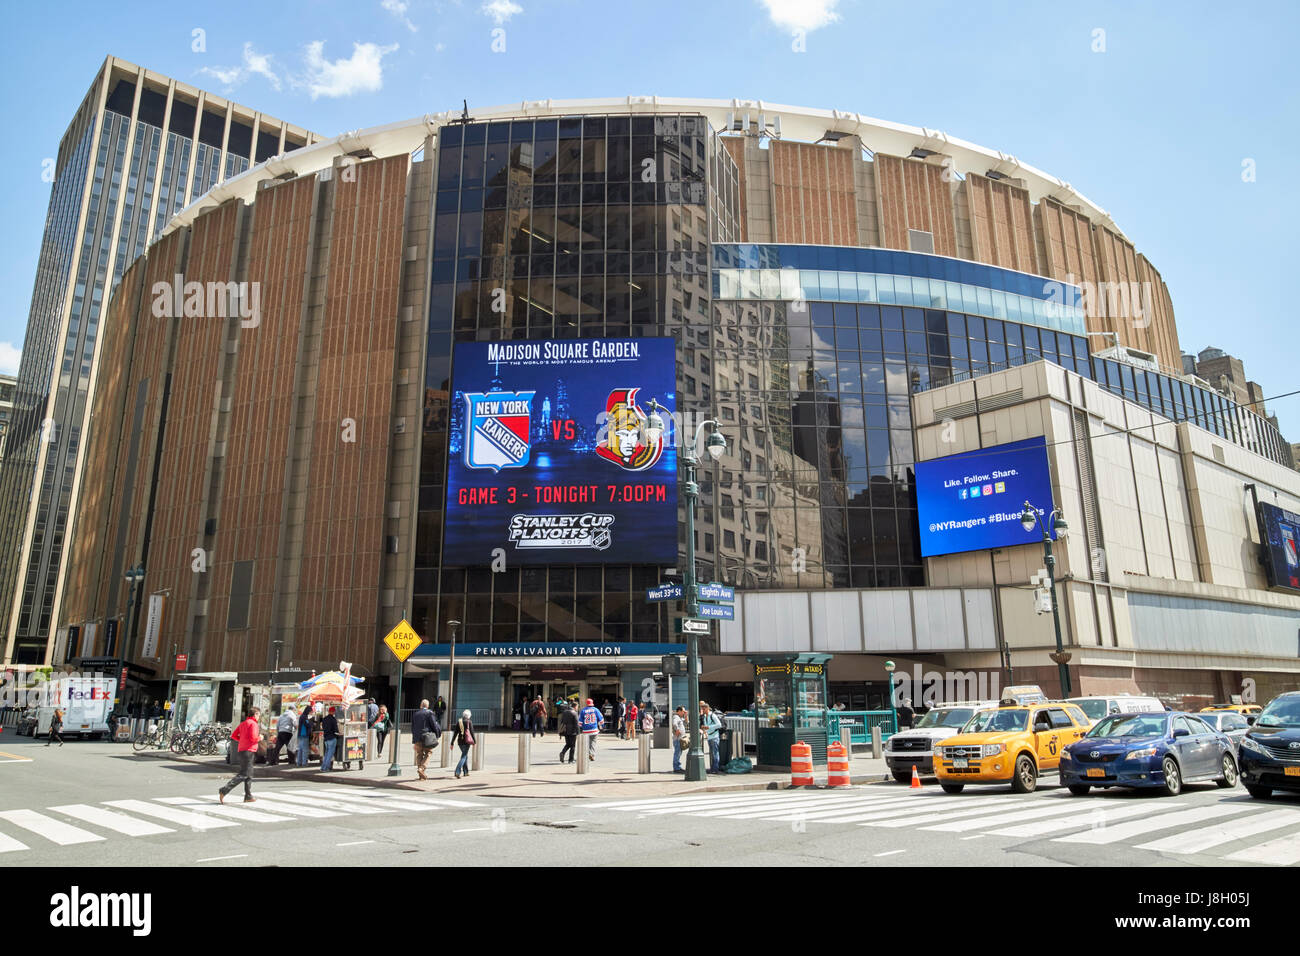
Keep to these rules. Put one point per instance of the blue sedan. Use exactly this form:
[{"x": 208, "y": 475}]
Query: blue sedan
[{"x": 1163, "y": 750}]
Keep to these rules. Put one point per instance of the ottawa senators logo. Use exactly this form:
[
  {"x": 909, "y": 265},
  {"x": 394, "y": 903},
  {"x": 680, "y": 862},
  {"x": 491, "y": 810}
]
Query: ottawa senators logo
[{"x": 626, "y": 443}]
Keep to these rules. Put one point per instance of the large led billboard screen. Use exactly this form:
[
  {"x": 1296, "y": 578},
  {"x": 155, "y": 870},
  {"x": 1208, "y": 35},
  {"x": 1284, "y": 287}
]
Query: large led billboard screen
[
  {"x": 550, "y": 458},
  {"x": 1279, "y": 529},
  {"x": 974, "y": 500}
]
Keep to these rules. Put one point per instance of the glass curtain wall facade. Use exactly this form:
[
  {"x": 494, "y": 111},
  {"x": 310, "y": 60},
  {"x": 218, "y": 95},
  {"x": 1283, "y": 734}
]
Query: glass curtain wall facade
[{"x": 563, "y": 228}]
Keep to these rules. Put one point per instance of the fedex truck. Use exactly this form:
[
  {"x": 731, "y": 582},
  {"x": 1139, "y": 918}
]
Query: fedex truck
[{"x": 86, "y": 703}]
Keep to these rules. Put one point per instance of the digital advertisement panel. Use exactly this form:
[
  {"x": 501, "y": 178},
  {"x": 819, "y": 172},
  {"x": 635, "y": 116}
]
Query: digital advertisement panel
[
  {"x": 1279, "y": 529},
  {"x": 550, "y": 457},
  {"x": 974, "y": 500}
]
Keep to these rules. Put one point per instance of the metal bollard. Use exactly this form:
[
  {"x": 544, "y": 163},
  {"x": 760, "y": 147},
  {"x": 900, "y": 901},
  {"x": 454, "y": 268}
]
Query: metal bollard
[
  {"x": 444, "y": 761},
  {"x": 476, "y": 752},
  {"x": 643, "y": 753},
  {"x": 370, "y": 744},
  {"x": 876, "y": 748},
  {"x": 846, "y": 738},
  {"x": 525, "y": 752},
  {"x": 582, "y": 753}
]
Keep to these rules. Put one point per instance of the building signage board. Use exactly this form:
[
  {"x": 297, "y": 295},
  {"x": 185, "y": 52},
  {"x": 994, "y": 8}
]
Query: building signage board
[
  {"x": 717, "y": 612},
  {"x": 973, "y": 501},
  {"x": 1279, "y": 530},
  {"x": 536, "y": 652},
  {"x": 550, "y": 461}
]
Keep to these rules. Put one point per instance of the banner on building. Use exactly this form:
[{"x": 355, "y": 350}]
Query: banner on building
[
  {"x": 153, "y": 626},
  {"x": 1279, "y": 530},
  {"x": 552, "y": 460}
]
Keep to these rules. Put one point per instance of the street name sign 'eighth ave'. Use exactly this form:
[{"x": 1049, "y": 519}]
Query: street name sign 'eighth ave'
[
  {"x": 716, "y": 592},
  {"x": 402, "y": 641}
]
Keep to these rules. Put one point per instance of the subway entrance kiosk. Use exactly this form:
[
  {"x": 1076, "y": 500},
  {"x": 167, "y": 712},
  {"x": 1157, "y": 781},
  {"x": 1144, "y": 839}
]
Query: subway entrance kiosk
[{"x": 789, "y": 706}]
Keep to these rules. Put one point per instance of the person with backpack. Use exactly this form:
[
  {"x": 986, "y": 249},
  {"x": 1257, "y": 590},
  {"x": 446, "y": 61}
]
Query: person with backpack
[
  {"x": 425, "y": 734},
  {"x": 538, "y": 713},
  {"x": 569, "y": 731},
  {"x": 56, "y": 726},
  {"x": 464, "y": 736},
  {"x": 709, "y": 726},
  {"x": 590, "y": 723}
]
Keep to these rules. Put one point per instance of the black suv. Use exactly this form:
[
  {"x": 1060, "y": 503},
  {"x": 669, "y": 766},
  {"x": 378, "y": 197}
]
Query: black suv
[{"x": 1270, "y": 752}]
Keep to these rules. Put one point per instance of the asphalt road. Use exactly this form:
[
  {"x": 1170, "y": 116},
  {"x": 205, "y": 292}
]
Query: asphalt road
[{"x": 97, "y": 804}]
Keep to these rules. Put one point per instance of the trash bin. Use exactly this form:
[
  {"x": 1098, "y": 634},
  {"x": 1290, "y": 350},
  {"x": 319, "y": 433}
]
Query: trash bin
[{"x": 726, "y": 741}]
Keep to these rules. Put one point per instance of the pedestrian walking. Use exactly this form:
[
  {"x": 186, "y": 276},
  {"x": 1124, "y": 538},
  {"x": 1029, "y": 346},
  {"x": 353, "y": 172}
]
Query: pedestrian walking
[
  {"x": 304, "y": 737},
  {"x": 569, "y": 731},
  {"x": 631, "y": 719},
  {"x": 620, "y": 729},
  {"x": 679, "y": 737},
  {"x": 590, "y": 723},
  {"x": 382, "y": 725},
  {"x": 464, "y": 736},
  {"x": 56, "y": 728},
  {"x": 709, "y": 726},
  {"x": 249, "y": 735},
  {"x": 372, "y": 714},
  {"x": 285, "y": 728},
  {"x": 426, "y": 732},
  {"x": 329, "y": 730},
  {"x": 538, "y": 712},
  {"x": 440, "y": 709}
]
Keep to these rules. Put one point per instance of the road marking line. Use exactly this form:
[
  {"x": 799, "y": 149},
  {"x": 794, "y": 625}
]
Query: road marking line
[
  {"x": 354, "y": 843},
  {"x": 472, "y": 830},
  {"x": 330, "y": 802},
  {"x": 1102, "y": 816},
  {"x": 789, "y": 806},
  {"x": 9, "y": 844},
  {"x": 558, "y": 822},
  {"x": 891, "y": 853},
  {"x": 390, "y": 798},
  {"x": 53, "y": 830},
  {"x": 1281, "y": 852},
  {"x": 14, "y": 758},
  {"x": 110, "y": 820},
  {"x": 272, "y": 805},
  {"x": 221, "y": 810},
  {"x": 833, "y": 812},
  {"x": 196, "y": 821},
  {"x": 209, "y": 859},
  {"x": 1194, "y": 841},
  {"x": 978, "y": 836},
  {"x": 997, "y": 819},
  {"x": 1161, "y": 821},
  {"x": 394, "y": 803}
]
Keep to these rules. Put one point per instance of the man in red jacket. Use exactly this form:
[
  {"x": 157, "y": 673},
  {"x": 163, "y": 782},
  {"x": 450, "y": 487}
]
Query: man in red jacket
[{"x": 249, "y": 735}]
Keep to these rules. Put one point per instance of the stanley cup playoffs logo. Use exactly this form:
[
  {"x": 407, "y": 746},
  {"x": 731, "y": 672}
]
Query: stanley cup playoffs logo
[
  {"x": 626, "y": 443},
  {"x": 498, "y": 426}
]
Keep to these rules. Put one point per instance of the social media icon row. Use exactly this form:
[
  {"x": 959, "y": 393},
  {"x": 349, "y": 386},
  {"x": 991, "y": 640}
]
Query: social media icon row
[{"x": 982, "y": 491}]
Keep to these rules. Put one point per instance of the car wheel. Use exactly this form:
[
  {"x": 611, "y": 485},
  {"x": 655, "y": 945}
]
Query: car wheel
[
  {"x": 1229, "y": 778},
  {"x": 1080, "y": 789},
  {"x": 1025, "y": 778},
  {"x": 953, "y": 787},
  {"x": 1258, "y": 792},
  {"x": 902, "y": 777},
  {"x": 1173, "y": 778}
]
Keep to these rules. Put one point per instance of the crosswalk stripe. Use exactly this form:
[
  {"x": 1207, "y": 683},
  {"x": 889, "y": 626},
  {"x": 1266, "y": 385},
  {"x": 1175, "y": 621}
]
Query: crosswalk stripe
[
  {"x": 9, "y": 844},
  {"x": 332, "y": 803},
  {"x": 376, "y": 796},
  {"x": 1161, "y": 821},
  {"x": 1101, "y": 816},
  {"x": 242, "y": 814},
  {"x": 900, "y": 817},
  {"x": 196, "y": 821},
  {"x": 109, "y": 820},
  {"x": 272, "y": 805},
  {"x": 718, "y": 804},
  {"x": 395, "y": 803},
  {"x": 787, "y": 806},
  {"x": 852, "y": 813},
  {"x": 53, "y": 830},
  {"x": 1284, "y": 851},
  {"x": 997, "y": 819},
  {"x": 1194, "y": 841},
  {"x": 682, "y": 803}
]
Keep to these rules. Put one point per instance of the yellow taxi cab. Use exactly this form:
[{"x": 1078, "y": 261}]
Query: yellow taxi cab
[
  {"x": 1250, "y": 710},
  {"x": 1011, "y": 743}
]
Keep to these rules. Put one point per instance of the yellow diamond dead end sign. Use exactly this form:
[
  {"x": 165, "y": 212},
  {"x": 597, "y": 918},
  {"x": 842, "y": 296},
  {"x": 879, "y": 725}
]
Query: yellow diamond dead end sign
[{"x": 402, "y": 641}]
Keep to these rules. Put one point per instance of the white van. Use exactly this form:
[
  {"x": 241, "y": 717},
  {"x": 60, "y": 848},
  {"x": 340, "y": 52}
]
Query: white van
[
  {"x": 1098, "y": 707},
  {"x": 86, "y": 703}
]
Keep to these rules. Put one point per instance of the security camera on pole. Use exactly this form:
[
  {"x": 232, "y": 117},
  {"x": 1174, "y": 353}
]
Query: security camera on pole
[{"x": 716, "y": 445}]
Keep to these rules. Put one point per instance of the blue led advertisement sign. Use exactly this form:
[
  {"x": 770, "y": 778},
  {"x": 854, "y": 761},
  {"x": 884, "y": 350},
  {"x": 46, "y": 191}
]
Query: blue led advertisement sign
[
  {"x": 974, "y": 500},
  {"x": 550, "y": 457},
  {"x": 1279, "y": 529}
]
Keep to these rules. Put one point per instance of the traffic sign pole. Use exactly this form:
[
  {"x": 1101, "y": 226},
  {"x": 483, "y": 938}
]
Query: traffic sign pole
[
  {"x": 402, "y": 641},
  {"x": 395, "y": 770}
]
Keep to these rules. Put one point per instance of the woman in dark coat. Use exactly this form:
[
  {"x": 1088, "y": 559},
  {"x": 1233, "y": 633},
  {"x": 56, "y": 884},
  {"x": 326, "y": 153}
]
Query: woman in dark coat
[{"x": 464, "y": 736}]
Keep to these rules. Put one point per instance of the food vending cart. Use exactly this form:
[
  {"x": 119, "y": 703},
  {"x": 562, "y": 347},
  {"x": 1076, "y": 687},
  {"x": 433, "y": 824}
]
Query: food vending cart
[{"x": 352, "y": 735}]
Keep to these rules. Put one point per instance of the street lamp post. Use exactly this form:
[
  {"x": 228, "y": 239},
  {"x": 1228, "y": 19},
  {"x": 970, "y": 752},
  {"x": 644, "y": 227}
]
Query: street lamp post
[
  {"x": 1029, "y": 519},
  {"x": 716, "y": 445},
  {"x": 134, "y": 576},
  {"x": 451, "y": 670},
  {"x": 889, "y": 677}
]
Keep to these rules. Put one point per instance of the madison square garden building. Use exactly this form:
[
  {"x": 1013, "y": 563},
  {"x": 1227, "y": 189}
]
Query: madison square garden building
[{"x": 438, "y": 413}]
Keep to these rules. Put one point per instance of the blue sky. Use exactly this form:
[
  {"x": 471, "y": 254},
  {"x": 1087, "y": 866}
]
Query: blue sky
[{"x": 1155, "y": 129}]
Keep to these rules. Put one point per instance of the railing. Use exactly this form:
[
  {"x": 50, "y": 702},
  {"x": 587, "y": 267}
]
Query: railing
[
  {"x": 745, "y": 727},
  {"x": 860, "y": 724}
]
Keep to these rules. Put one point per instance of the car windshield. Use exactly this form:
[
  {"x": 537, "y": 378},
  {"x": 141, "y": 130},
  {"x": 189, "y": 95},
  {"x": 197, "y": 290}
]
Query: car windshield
[
  {"x": 997, "y": 721},
  {"x": 1095, "y": 709},
  {"x": 946, "y": 717},
  {"x": 1282, "y": 712},
  {"x": 1129, "y": 725}
]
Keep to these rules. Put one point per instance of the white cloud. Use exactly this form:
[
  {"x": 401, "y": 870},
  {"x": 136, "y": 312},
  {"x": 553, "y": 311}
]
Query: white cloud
[
  {"x": 9, "y": 356},
  {"x": 362, "y": 73},
  {"x": 501, "y": 10},
  {"x": 398, "y": 9},
  {"x": 252, "y": 63},
  {"x": 807, "y": 15}
]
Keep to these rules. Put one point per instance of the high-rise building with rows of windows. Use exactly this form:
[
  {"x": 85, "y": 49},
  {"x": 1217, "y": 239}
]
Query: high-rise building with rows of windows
[
  {"x": 848, "y": 299},
  {"x": 141, "y": 146}
]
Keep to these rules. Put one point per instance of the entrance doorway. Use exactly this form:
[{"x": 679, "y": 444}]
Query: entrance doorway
[{"x": 604, "y": 696}]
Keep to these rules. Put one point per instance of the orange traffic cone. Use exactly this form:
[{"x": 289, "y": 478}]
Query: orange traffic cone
[{"x": 916, "y": 779}]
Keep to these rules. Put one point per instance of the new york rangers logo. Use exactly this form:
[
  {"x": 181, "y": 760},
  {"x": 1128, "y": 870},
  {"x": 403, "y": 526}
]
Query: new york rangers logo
[{"x": 499, "y": 425}]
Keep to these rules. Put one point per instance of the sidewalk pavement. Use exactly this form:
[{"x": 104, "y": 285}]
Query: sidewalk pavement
[{"x": 613, "y": 775}]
